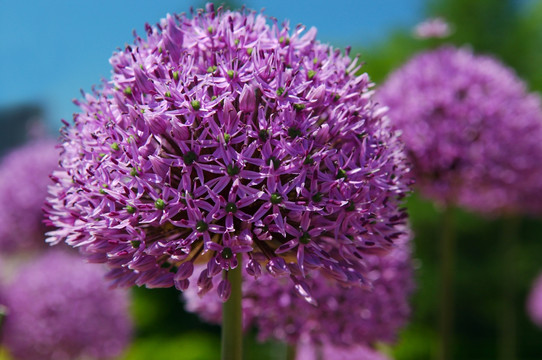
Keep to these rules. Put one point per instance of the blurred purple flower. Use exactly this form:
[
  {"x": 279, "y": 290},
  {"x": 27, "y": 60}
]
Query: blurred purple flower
[
  {"x": 309, "y": 351},
  {"x": 220, "y": 135},
  {"x": 473, "y": 133},
  {"x": 534, "y": 302},
  {"x": 24, "y": 177},
  {"x": 432, "y": 28},
  {"x": 60, "y": 308},
  {"x": 339, "y": 316}
]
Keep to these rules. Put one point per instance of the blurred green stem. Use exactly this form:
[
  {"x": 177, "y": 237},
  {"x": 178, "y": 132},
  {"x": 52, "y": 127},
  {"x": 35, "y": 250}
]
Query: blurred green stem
[
  {"x": 3, "y": 313},
  {"x": 232, "y": 317},
  {"x": 447, "y": 258},
  {"x": 291, "y": 352},
  {"x": 507, "y": 340},
  {"x": 320, "y": 353}
]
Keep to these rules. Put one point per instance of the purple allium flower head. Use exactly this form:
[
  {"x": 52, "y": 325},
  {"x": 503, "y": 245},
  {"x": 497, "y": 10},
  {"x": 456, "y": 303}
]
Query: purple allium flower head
[
  {"x": 309, "y": 351},
  {"x": 24, "y": 178},
  {"x": 472, "y": 131},
  {"x": 432, "y": 28},
  {"x": 220, "y": 135},
  {"x": 340, "y": 316},
  {"x": 61, "y": 308},
  {"x": 534, "y": 302}
]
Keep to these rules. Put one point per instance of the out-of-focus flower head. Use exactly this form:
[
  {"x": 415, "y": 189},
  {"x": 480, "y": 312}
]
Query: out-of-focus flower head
[
  {"x": 534, "y": 302},
  {"x": 340, "y": 316},
  {"x": 432, "y": 28},
  {"x": 309, "y": 351},
  {"x": 221, "y": 135},
  {"x": 472, "y": 131},
  {"x": 24, "y": 178},
  {"x": 60, "y": 308}
]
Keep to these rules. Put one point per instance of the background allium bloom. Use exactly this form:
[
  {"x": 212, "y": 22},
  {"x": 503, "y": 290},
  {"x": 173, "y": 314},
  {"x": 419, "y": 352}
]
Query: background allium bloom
[
  {"x": 220, "y": 135},
  {"x": 343, "y": 317},
  {"x": 534, "y": 302},
  {"x": 24, "y": 178},
  {"x": 471, "y": 129},
  {"x": 314, "y": 352},
  {"x": 432, "y": 28},
  {"x": 61, "y": 308}
]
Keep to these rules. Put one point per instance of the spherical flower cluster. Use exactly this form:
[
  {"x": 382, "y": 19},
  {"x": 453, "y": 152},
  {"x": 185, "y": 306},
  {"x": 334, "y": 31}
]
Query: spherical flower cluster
[
  {"x": 338, "y": 316},
  {"x": 312, "y": 352},
  {"x": 534, "y": 302},
  {"x": 60, "y": 308},
  {"x": 472, "y": 131},
  {"x": 24, "y": 177},
  {"x": 220, "y": 136}
]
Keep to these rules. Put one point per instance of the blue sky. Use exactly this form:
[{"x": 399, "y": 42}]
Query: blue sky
[{"x": 51, "y": 49}]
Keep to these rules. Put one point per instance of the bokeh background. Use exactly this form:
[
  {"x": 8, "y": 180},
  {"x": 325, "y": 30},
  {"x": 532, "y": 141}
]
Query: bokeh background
[{"x": 50, "y": 50}]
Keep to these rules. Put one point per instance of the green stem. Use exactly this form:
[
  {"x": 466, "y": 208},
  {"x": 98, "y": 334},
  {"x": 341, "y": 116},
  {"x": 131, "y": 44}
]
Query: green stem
[
  {"x": 291, "y": 352},
  {"x": 232, "y": 317},
  {"x": 507, "y": 343},
  {"x": 447, "y": 258},
  {"x": 3, "y": 313},
  {"x": 319, "y": 353}
]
